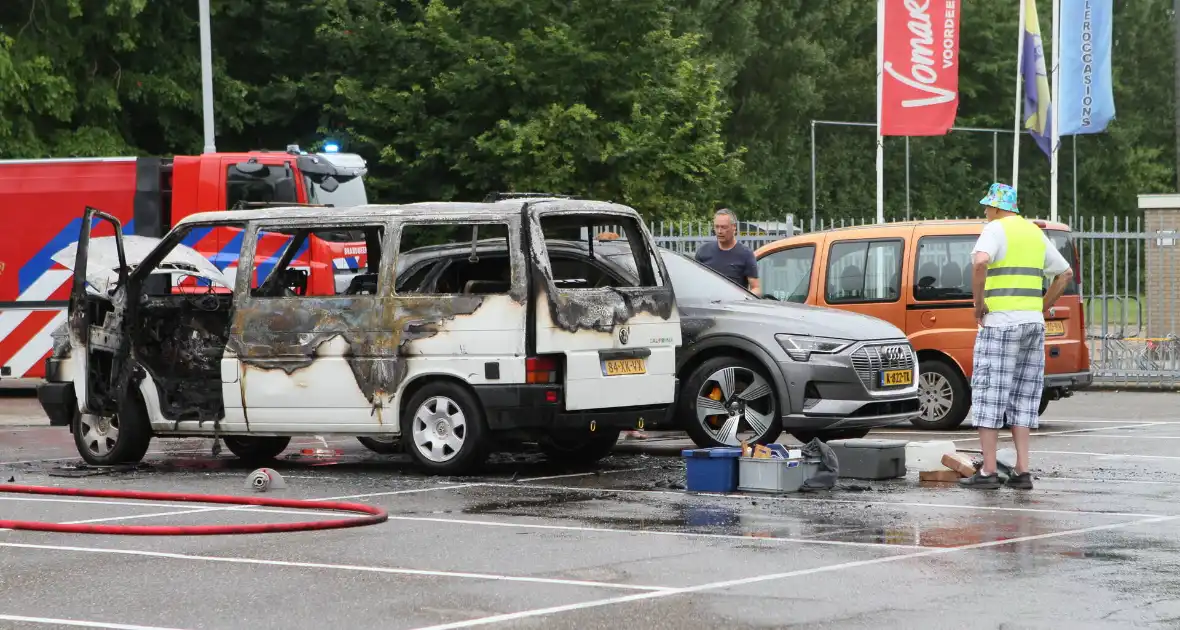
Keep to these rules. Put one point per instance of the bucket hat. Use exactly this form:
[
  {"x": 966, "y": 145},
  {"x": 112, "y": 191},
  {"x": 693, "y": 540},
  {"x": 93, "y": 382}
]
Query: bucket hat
[{"x": 1001, "y": 196}]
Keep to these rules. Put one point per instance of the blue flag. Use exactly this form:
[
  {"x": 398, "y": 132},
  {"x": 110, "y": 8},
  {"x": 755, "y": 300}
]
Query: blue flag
[
  {"x": 1087, "y": 92},
  {"x": 1037, "y": 100}
]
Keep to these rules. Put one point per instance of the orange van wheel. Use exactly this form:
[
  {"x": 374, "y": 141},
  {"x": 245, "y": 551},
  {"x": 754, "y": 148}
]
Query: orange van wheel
[{"x": 944, "y": 395}]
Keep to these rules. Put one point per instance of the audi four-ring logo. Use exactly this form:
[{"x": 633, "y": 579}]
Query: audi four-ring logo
[{"x": 894, "y": 353}]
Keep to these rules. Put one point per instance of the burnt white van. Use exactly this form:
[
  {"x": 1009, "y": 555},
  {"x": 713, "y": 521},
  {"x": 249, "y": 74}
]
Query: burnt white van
[{"x": 448, "y": 360}]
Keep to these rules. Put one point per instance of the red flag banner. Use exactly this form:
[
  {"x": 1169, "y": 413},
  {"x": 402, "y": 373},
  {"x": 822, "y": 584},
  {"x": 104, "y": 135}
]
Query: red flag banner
[{"x": 920, "y": 86}]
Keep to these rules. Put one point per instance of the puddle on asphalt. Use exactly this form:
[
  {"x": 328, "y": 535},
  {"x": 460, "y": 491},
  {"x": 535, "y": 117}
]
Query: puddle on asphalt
[{"x": 750, "y": 515}]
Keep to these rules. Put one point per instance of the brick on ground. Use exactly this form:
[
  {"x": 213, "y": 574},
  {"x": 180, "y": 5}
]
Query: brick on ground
[{"x": 959, "y": 463}]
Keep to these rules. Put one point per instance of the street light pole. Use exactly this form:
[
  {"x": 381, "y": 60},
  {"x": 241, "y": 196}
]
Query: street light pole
[{"x": 207, "y": 75}]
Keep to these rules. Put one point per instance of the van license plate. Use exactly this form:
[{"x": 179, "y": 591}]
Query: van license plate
[
  {"x": 621, "y": 367},
  {"x": 1054, "y": 329},
  {"x": 893, "y": 378}
]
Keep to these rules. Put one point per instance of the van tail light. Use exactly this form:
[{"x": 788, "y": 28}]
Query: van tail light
[{"x": 540, "y": 370}]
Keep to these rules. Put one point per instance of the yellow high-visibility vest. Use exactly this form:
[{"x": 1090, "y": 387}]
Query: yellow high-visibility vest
[{"x": 1015, "y": 282}]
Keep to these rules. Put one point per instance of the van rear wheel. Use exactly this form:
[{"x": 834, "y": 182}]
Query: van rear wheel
[
  {"x": 444, "y": 428},
  {"x": 944, "y": 396}
]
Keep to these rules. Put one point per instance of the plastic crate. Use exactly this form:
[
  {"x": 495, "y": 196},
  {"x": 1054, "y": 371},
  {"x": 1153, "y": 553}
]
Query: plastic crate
[
  {"x": 711, "y": 469},
  {"x": 769, "y": 474}
]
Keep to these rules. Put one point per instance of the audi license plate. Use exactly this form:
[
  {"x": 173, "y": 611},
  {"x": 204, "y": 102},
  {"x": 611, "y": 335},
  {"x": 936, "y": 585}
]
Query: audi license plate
[
  {"x": 896, "y": 378},
  {"x": 1054, "y": 328},
  {"x": 621, "y": 367}
]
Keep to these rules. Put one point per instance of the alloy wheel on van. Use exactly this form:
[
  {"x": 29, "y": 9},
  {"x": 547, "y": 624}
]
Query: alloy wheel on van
[
  {"x": 936, "y": 396},
  {"x": 118, "y": 438},
  {"x": 943, "y": 395},
  {"x": 444, "y": 430},
  {"x": 99, "y": 434},
  {"x": 440, "y": 428}
]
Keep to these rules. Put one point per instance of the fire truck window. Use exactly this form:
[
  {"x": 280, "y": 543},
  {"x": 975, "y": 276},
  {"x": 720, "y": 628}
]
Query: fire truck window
[
  {"x": 314, "y": 262},
  {"x": 483, "y": 269},
  {"x": 275, "y": 184}
]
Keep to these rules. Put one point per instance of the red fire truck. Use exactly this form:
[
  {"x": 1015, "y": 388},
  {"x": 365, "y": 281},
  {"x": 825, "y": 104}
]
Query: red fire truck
[{"x": 42, "y": 202}]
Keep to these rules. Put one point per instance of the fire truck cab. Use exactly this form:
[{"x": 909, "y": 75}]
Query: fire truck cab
[{"x": 43, "y": 201}]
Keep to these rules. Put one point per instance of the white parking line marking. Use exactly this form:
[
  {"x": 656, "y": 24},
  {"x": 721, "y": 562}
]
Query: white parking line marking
[
  {"x": 342, "y": 567},
  {"x": 1091, "y": 420},
  {"x": 539, "y": 612},
  {"x": 1087, "y": 454},
  {"x": 1099, "y": 480},
  {"x": 77, "y": 457},
  {"x": 1044, "y": 433},
  {"x": 454, "y": 486},
  {"x": 1130, "y": 437},
  {"x": 941, "y": 506},
  {"x": 584, "y": 474},
  {"x": 80, "y": 624},
  {"x": 34, "y": 499},
  {"x": 256, "y": 509},
  {"x": 650, "y": 532},
  {"x": 191, "y": 510}
]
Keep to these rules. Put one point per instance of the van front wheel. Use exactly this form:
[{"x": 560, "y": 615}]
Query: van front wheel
[
  {"x": 121, "y": 438},
  {"x": 944, "y": 396}
]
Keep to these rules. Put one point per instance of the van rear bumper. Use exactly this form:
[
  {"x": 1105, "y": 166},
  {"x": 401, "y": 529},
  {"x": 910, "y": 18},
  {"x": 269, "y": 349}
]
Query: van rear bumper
[
  {"x": 1073, "y": 380},
  {"x": 509, "y": 407}
]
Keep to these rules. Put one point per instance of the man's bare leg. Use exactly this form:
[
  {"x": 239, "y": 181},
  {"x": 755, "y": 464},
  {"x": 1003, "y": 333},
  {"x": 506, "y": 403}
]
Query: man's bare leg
[
  {"x": 987, "y": 442},
  {"x": 1020, "y": 435}
]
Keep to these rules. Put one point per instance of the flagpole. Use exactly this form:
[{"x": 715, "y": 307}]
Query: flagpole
[
  {"x": 1055, "y": 108},
  {"x": 1016, "y": 125},
  {"x": 880, "y": 138}
]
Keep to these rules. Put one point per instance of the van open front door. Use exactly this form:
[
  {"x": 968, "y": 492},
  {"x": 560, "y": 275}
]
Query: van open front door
[{"x": 95, "y": 340}]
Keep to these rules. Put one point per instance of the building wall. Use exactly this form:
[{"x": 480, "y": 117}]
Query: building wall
[{"x": 1162, "y": 251}]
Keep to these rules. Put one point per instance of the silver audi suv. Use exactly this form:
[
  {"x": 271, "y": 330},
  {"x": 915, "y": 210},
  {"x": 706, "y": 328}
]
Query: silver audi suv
[{"x": 752, "y": 368}]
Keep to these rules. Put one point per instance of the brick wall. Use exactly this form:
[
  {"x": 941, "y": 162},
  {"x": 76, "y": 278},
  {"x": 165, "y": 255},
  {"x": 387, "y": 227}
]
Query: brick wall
[{"x": 1162, "y": 252}]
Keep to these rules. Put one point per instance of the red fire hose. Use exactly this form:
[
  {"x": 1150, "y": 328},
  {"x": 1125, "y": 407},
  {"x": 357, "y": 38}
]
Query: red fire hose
[{"x": 374, "y": 514}]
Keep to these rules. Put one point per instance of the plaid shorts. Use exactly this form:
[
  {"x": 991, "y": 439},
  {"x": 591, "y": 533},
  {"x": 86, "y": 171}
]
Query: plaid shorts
[{"x": 1009, "y": 375}]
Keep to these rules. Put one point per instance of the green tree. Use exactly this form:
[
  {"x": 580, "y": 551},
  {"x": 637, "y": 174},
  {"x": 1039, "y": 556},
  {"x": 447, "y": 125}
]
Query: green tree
[{"x": 600, "y": 98}]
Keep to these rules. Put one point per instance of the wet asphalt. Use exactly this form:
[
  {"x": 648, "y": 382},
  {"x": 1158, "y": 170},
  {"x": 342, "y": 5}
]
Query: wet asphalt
[{"x": 531, "y": 544}]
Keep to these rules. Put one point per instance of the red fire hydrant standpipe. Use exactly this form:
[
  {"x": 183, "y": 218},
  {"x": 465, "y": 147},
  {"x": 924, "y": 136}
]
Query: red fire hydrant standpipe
[{"x": 373, "y": 516}]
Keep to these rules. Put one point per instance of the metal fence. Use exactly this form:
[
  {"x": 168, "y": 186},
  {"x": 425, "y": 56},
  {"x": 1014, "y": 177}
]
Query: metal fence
[{"x": 1129, "y": 282}]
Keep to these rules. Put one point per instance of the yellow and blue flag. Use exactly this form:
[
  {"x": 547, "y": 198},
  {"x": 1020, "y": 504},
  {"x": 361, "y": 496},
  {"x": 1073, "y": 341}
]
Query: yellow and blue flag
[{"x": 1037, "y": 116}]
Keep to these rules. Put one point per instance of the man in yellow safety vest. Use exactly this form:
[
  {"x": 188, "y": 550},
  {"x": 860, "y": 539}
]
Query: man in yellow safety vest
[{"x": 1011, "y": 260}]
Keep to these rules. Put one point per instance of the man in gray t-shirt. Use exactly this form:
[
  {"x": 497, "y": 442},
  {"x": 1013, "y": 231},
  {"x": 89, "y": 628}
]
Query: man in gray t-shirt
[{"x": 728, "y": 257}]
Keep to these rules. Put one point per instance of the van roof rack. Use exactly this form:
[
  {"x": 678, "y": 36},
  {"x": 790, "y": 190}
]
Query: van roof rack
[{"x": 501, "y": 196}]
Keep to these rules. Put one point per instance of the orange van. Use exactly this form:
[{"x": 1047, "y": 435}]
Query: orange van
[{"x": 917, "y": 276}]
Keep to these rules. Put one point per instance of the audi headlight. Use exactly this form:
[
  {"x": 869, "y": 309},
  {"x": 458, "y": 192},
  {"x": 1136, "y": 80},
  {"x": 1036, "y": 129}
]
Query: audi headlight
[{"x": 801, "y": 347}]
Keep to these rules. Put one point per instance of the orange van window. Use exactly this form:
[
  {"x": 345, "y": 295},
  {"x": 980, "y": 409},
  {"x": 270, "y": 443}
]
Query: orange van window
[
  {"x": 864, "y": 271},
  {"x": 786, "y": 274}
]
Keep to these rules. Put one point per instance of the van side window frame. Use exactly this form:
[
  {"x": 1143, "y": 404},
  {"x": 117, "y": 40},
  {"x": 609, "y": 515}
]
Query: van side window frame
[
  {"x": 246, "y": 291},
  {"x": 967, "y": 270},
  {"x": 516, "y": 274},
  {"x": 869, "y": 243}
]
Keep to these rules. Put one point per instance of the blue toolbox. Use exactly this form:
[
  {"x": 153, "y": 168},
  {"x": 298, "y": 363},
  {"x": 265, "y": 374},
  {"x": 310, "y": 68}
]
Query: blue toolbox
[{"x": 712, "y": 469}]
